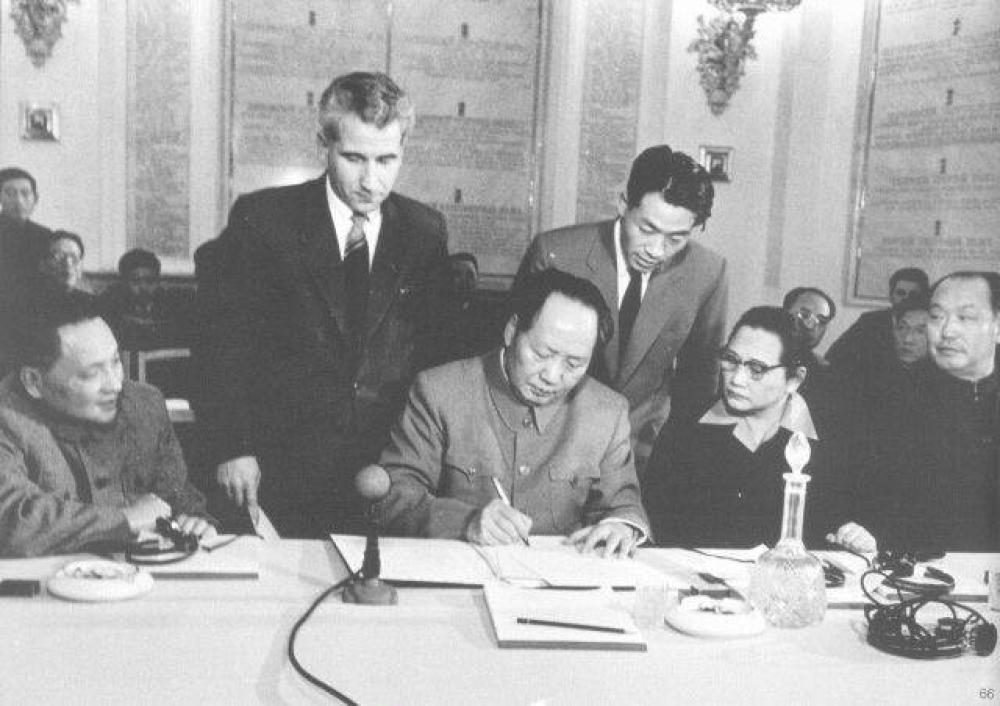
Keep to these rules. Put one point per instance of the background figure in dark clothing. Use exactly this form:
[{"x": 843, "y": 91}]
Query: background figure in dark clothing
[
  {"x": 906, "y": 361},
  {"x": 21, "y": 244},
  {"x": 868, "y": 344},
  {"x": 812, "y": 310},
  {"x": 931, "y": 466},
  {"x": 717, "y": 481},
  {"x": 143, "y": 314},
  {"x": 473, "y": 320}
]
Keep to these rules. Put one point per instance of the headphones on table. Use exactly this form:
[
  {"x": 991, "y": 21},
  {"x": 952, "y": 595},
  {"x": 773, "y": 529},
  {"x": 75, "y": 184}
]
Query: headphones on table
[
  {"x": 894, "y": 627},
  {"x": 899, "y": 571},
  {"x": 171, "y": 547}
]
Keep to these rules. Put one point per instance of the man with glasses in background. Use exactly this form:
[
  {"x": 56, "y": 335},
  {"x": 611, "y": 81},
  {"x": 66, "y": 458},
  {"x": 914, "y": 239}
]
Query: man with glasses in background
[
  {"x": 812, "y": 310},
  {"x": 667, "y": 292},
  {"x": 717, "y": 481}
]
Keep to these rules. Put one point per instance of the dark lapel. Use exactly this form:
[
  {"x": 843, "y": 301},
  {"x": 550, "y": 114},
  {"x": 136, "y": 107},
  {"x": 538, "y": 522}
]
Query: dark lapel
[
  {"x": 387, "y": 265},
  {"x": 603, "y": 273},
  {"x": 664, "y": 299},
  {"x": 320, "y": 252}
]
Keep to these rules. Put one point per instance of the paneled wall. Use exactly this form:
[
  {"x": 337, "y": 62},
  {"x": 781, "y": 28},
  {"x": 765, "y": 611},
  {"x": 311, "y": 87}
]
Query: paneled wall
[{"x": 782, "y": 220}]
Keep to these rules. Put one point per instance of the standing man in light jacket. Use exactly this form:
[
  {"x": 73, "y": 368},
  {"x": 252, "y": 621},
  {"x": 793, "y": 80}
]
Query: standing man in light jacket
[{"x": 668, "y": 293}]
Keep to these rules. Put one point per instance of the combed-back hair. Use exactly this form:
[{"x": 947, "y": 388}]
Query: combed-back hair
[
  {"x": 138, "y": 258},
  {"x": 533, "y": 291},
  {"x": 9, "y": 173},
  {"x": 372, "y": 96},
  {"x": 910, "y": 274},
  {"x": 40, "y": 345},
  {"x": 679, "y": 179},
  {"x": 992, "y": 280},
  {"x": 776, "y": 320}
]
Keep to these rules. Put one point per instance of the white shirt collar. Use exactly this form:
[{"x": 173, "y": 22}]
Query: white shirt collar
[
  {"x": 341, "y": 215},
  {"x": 621, "y": 267},
  {"x": 795, "y": 417}
]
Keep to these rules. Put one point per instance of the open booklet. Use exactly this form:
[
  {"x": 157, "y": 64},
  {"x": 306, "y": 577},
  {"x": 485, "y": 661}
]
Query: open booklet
[
  {"x": 569, "y": 619},
  {"x": 547, "y": 562}
]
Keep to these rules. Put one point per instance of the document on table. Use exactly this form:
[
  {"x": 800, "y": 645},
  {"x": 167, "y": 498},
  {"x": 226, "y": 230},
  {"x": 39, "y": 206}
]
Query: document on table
[
  {"x": 570, "y": 619},
  {"x": 547, "y": 562}
]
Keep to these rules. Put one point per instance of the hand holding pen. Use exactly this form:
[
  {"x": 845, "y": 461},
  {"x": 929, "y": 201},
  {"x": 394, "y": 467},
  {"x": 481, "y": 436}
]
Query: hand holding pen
[{"x": 499, "y": 522}]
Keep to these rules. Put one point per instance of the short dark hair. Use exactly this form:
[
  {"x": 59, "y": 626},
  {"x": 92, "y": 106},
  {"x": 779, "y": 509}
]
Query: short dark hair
[
  {"x": 992, "y": 280},
  {"x": 57, "y": 235},
  {"x": 794, "y": 294},
  {"x": 372, "y": 96},
  {"x": 910, "y": 274},
  {"x": 794, "y": 351},
  {"x": 40, "y": 345},
  {"x": 136, "y": 258},
  {"x": 679, "y": 179},
  {"x": 465, "y": 257},
  {"x": 918, "y": 302},
  {"x": 531, "y": 293},
  {"x": 9, "y": 173}
]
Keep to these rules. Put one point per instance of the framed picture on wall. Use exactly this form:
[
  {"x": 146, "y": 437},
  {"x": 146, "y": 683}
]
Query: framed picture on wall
[
  {"x": 717, "y": 161},
  {"x": 40, "y": 122}
]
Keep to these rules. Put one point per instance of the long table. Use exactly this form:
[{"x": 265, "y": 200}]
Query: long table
[{"x": 224, "y": 642}]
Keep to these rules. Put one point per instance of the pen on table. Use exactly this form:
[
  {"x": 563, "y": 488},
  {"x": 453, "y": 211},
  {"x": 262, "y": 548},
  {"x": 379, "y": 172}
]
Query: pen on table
[
  {"x": 502, "y": 494},
  {"x": 219, "y": 545},
  {"x": 572, "y": 626}
]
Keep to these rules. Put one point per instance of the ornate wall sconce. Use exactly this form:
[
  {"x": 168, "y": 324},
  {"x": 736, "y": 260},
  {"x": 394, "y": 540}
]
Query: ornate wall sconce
[
  {"x": 39, "y": 24},
  {"x": 724, "y": 45}
]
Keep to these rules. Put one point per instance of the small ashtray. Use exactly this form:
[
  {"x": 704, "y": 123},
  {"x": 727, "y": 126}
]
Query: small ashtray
[{"x": 705, "y": 616}]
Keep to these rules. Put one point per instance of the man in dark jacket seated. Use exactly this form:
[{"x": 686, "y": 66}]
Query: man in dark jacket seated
[
  {"x": 85, "y": 457},
  {"x": 143, "y": 314},
  {"x": 716, "y": 481},
  {"x": 931, "y": 464}
]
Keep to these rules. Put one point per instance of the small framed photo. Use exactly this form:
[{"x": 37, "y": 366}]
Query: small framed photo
[
  {"x": 718, "y": 162},
  {"x": 40, "y": 122}
]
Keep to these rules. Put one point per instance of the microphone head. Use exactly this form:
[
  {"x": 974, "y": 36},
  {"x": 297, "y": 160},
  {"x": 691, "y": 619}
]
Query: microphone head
[{"x": 372, "y": 482}]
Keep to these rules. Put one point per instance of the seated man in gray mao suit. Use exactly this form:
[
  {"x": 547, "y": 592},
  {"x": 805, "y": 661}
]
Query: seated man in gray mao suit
[
  {"x": 520, "y": 440},
  {"x": 669, "y": 293}
]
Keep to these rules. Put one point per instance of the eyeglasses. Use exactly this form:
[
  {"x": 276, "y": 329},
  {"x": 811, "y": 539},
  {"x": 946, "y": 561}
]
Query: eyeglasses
[
  {"x": 730, "y": 362},
  {"x": 811, "y": 318}
]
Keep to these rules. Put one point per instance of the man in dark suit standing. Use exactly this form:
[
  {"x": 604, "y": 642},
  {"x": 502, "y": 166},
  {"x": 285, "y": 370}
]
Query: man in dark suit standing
[
  {"x": 317, "y": 316},
  {"x": 669, "y": 293}
]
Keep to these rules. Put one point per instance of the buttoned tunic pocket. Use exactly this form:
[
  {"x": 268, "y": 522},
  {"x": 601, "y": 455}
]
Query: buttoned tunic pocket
[{"x": 568, "y": 486}]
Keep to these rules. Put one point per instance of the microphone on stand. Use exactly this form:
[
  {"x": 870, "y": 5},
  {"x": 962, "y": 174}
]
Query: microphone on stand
[{"x": 372, "y": 482}]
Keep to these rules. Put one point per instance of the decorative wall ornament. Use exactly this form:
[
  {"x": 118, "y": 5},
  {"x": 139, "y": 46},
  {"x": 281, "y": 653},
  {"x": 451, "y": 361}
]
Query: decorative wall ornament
[
  {"x": 724, "y": 45},
  {"x": 717, "y": 161},
  {"x": 40, "y": 122},
  {"x": 39, "y": 24}
]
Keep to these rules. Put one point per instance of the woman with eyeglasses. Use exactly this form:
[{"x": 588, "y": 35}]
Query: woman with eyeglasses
[{"x": 716, "y": 481}]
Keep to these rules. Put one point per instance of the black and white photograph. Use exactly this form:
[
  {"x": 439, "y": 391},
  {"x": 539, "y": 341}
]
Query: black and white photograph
[{"x": 527, "y": 352}]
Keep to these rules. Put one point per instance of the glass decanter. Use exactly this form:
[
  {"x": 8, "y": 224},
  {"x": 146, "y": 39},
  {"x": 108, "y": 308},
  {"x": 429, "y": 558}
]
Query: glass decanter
[{"x": 787, "y": 584}]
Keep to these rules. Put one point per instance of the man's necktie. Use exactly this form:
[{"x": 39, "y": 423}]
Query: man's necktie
[
  {"x": 356, "y": 277},
  {"x": 629, "y": 310}
]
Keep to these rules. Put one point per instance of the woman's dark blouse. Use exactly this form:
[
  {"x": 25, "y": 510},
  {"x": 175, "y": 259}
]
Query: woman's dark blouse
[{"x": 703, "y": 488}]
